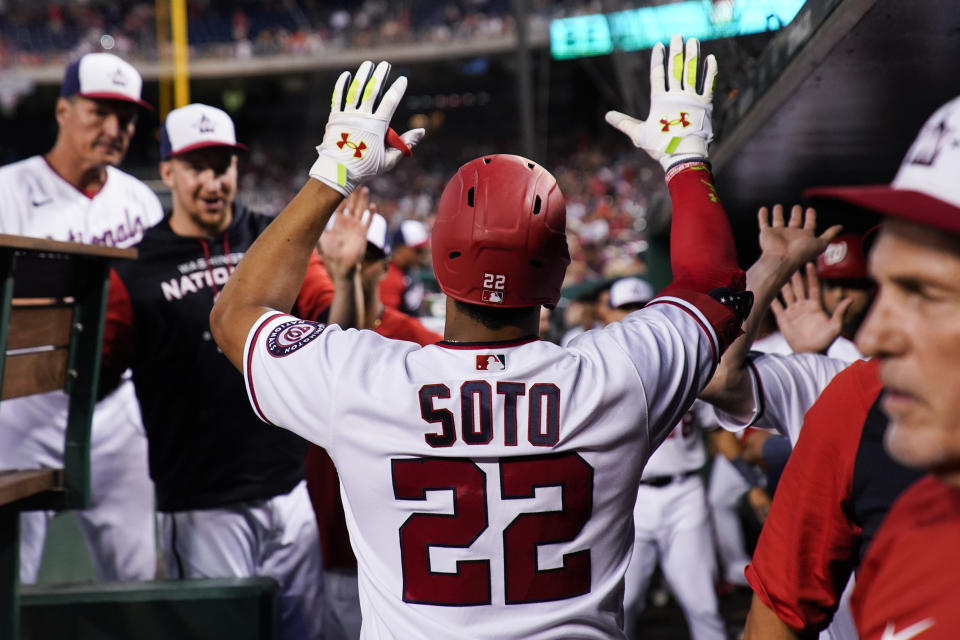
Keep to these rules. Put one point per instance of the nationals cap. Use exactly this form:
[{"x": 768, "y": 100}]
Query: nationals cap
[
  {"x": 630, "y": 291},
  {"x": 103, "y": 76},
  {"x": 411, "y": 233},
  {"x": 196, "y": 126},
  {"x": 843, "y": 259},
  {"x": 926, "y": 189},
  {"x": 376, "y": 232}
]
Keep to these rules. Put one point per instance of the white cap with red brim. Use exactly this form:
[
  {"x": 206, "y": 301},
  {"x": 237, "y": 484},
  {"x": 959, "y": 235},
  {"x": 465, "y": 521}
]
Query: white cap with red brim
[{"x": 926, "y": 189}]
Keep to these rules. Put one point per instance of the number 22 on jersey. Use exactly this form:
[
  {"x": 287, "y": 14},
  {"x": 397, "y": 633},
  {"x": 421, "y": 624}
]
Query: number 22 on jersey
[{"x": 519, "y": 479}]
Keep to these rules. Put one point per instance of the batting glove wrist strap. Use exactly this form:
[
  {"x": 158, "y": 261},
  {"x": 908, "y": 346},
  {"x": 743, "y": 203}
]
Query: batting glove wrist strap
[
  {"x": 679, "y": 126},
  {"x": 682, "y": 165},
  {"x": 353, "y": 148}
]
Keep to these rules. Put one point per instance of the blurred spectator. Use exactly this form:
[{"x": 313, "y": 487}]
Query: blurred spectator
[{"x": 402, "y": 289}]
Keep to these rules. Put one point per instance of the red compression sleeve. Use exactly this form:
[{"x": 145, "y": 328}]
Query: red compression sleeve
[{"x": 702, "y": 253}]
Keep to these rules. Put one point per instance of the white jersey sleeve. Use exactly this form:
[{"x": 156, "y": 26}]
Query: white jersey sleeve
[
  {"x": 846, "y": 350},
  {"x": 663, "y": 358},
  {"x": 784, "y": 388}
]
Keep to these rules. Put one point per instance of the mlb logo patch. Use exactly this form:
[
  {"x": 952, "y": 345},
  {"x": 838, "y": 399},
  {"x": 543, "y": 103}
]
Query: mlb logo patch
[
  {"x": 492, "y": 362},
  {"x": 492, "y": 296}
]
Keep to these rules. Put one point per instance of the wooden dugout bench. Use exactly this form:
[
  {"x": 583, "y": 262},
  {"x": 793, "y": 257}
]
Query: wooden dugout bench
[{"x": 53, "y": 298}]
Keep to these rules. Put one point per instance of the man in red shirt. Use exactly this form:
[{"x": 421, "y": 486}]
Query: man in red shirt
[{"x": 907, "y": 584}]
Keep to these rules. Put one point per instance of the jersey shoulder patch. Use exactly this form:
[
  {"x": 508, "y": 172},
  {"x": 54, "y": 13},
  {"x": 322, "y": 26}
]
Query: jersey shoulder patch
[{"x": 289, "y": 336}]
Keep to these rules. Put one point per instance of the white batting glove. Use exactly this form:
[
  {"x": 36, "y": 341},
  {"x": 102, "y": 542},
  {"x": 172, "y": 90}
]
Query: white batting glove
[
  {"x": 354, "y": 146},
  {"x": 678, "y": 128}
]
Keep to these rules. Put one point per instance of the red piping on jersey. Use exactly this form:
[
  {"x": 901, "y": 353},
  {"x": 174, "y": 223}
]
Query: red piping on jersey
[
  {"x": 713, "y": 348},
  {"x": 87, "y": 194},
  {"x": 488, "y": 345},
  {"x": 253, "y": 345}
]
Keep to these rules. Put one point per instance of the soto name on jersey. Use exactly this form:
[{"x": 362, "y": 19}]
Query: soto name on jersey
[{"x": 476, "y": 425}]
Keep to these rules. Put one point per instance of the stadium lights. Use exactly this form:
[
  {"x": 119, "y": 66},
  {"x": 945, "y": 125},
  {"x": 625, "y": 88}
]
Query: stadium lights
[{"x": 601, "y": 34}]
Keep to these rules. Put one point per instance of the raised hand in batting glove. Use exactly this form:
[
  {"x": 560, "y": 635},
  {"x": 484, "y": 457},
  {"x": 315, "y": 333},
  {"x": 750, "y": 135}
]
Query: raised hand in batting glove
[
  {"x": 358, "y": 143},
  {"x": 678, "y": 128}
]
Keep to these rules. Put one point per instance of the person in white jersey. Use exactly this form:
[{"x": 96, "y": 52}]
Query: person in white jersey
[
  {"x": 672, "y": 524},
  {"x": 76, "y": 193},
  {"x": 670, "y": 518},
  {"x": 491, "y": 501}
]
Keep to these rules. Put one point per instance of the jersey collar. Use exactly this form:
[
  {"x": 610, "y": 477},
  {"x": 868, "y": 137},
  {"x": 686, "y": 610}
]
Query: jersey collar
[{"x": 495, "y": 344}]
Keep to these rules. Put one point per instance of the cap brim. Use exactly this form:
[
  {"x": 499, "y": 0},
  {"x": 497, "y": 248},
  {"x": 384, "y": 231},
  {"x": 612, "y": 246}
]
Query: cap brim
[
  {"x": 115, "y": 96},
  {"x": 899, "y": 203},
  {"x": 204, "y": 145}
]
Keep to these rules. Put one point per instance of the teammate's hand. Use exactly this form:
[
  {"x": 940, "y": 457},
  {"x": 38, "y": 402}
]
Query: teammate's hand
[
  {"x": 344, "y": 242},
  {"x": 802, "y": 320},
  {"x": 356, "y": 145},
  {"x": 678, "y": 128},
  {"x": 792, "y": 242}
]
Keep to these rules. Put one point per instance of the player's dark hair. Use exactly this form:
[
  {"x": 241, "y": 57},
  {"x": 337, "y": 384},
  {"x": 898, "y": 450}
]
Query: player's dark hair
[{"x": 495, "y": 318}]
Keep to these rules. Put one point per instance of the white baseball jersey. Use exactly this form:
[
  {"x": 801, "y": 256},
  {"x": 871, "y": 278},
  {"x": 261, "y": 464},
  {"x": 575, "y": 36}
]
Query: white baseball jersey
[
  {"x": 38, "y": 203},
  {"x": 683, "y": 449},
  {"x": 487, "y": 488},
  {"x": 784, "y": 387},
  {"x": 841, "y": 348},
  {"x": 672, "y": 529}
]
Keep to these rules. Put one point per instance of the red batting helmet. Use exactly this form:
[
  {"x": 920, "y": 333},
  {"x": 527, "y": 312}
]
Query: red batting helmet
[
  {"x": 843, "y": 259},
  {"x": 500, "y": 235}
]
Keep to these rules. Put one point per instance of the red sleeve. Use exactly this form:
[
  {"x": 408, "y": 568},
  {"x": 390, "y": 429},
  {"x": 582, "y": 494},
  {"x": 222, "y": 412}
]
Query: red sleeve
[
  {"x": 392, "y": 287},
  {"x": 400, "y": 326},
  {"x": 323, "y": 485},
  {"x": 808, "y": 546},
  {"x": 316, "y": 294},
  {"x": 118, "y": 336},
  {"x": 703, "y": 256}
]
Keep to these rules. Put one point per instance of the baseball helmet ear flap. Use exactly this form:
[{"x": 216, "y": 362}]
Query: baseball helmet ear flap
[{"x": 500, "y": 235}]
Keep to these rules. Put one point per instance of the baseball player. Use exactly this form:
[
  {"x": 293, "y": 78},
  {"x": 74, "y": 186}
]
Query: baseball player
[
  {"x": 672, "y": 527},
  {"x": 671, "y": 524},
  {"x": 732, "y": 476},
  {"x": 231, "y": 495},
  {"x": 842, "y": 271},
  {"x": 907, "y": 586},
  {"x": 811, "y": 323},
  {"x": 829, "y": 506},
  {"x": 75, "y": 193},
  {"x": 400, "y": 288},
  {"x": 495, "y": 502}
]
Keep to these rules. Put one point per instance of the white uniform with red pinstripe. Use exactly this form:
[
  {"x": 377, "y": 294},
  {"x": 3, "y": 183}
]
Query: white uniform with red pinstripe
[
  {"x": 119, "y": 526},
  {"x": 489, "y": 500}
]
